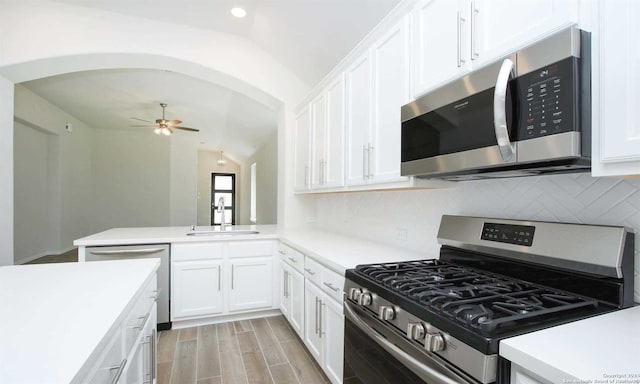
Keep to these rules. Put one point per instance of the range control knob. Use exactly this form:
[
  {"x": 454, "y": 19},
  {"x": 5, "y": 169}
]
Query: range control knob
[
  {"x": 434, "y": 342},
  {"x": 364, "y": 298},
  {"x": 386, "y": 313},
  {"x": 354, "y": 293},
  {"x": 415, "y": 331}
]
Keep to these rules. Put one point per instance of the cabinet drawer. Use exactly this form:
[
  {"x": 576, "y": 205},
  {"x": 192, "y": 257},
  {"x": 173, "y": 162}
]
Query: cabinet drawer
[
  {"x": 139, "y": 314},
  {"x": 332, "y": 283},
  {"x": 196, "y": 251},
  {"x": 312, "y": 270},
  {"x": 110, "y": 364},
  {"x": 292, "y": 257},
  {"x": 250, "y": 248}
]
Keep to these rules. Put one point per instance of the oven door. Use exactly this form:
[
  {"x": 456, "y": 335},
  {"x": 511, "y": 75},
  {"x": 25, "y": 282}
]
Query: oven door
[
  {"x": 376, "y": 353},
  {"x": 465, "y": 125}
]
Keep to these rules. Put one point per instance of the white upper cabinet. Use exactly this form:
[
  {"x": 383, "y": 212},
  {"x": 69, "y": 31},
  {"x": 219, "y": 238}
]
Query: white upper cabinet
[
  {"x": 377, "y": 86},
  {"x": 358, "y": 119},
  {"x": 498, "y": 27},
  {"x": 616, "y": 98},
  {"x": 302, "y": 150},
  {"x": 441, "y": 47},
  {"x": 327, "y": 117}
]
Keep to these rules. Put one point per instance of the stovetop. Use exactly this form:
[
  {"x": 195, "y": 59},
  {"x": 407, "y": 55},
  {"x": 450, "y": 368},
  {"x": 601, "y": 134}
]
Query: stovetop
[{"x": 476, "y": 306}]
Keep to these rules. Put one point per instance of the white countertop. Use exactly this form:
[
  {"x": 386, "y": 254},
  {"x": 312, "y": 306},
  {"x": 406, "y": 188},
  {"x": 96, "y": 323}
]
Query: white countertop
[
  {"x": 596, "y": 348},
  {"x": 335, "y": 251},
  {"x": 55, "y": 315},
  {"x": 157, "y": 235},
  {"x": 340, "y": 252}
]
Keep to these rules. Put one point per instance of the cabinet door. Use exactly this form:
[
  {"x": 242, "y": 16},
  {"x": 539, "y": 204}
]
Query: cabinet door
[
  {"x": 506, "y": 25},
  {"x": 302, "y": 150},
  {"x": 285, "y": 289},
  {"x": 358, "y": 119},
  {"x": 441, "y": 35},
  {"x": 296, "y": 291},
  {"x": 616, "y": 144},
  {"x": 196, "y": 288},
  {"x": 318, "y": 144},
  {"x": 333, "y": 329},
  {"x": 251, "y": 283},
  {"x": 141, "y": 365},
  {"x": 334, "y": 159},
  {"x": 391, "y": 91},
  {"x": 312, "y": 320}
]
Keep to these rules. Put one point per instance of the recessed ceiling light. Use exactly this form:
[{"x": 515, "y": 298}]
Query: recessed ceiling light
[{"x": 238, "y": 12}]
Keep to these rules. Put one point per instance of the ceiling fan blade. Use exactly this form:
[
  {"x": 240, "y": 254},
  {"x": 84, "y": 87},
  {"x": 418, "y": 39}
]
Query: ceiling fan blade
[
  {"x": 146, "y": 121},
  {"x": 147, "y": 126},
  {"x": 173, "y": 122},
  {"x": 186, "y": 129}
]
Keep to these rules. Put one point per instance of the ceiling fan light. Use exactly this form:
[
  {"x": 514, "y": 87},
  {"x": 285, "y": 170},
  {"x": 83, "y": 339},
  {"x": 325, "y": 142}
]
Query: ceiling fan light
[
  {"x": 157, "y": 131},
  {"x": 238, "y": 12},
  {"x": 166, "y": 131}
]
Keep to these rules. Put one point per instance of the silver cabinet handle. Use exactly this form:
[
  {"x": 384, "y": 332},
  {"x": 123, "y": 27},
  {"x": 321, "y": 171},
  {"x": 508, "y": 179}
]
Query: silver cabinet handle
[
  {"x": 219, "y": 278},
  {"x": 127, "y": 251},
  {"x": 156, "y": 294},
  {"x": 461, "y": 20},
  {"x": 286, "y": 284},
  {"x": 507, "y": 149},
  {"x": 233, "y": 272},
  {"x": 317, "y": 327},
  {"x": 426, "y": 372},
  {"x": 149, "y": 360},
  {"x": 293, "y": 260},
  {"x": 364, "y": 161},
  {"x": 310, "y": 271},
  {"x": 306, "y": 175},
  {"x": 144, "y": 321},
  {"x": 474, "y": 22},
  {"x": 153, "y": 354},
  {"x": 369, "y": 156},
  {"x": 120, "y": 368},
  {"x": 331, "y": 287},
  {"x": 282, "y": 252},
  {"x": 320, "y": 318}
]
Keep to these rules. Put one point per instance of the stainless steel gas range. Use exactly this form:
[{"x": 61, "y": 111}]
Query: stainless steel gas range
[{"x": 441, "y": 320}]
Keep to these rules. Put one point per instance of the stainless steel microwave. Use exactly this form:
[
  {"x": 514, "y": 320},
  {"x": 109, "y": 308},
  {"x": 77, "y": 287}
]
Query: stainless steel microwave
[{"x": 528, "y": 114}]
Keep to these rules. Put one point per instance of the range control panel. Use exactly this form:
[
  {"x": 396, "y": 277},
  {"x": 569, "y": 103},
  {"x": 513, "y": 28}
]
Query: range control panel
[
  {"x": 548, "y": 100},
  {"x": 508, "y": 233}
]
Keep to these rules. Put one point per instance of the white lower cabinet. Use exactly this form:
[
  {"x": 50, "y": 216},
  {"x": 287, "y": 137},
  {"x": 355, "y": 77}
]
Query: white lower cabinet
[
  {"x": 333, "y": 324},
  {"x": 246, "y": 291},
  {"x": 129, "y": 356},
  {"x": 312, "y": 319},
  {"x": 292, "y": 296},
  {"x": 196, "y": 288},
  {"x": 221, "y": 278}
]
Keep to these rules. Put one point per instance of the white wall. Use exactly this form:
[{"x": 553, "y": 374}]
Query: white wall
[
  {"x": 392, "y": 216},
  {"x": 70, "y": 199},
  {"x": 85, "y": 39},
  {"x": 130, "y": 179},
  {"x": 266, "y": 159},
  {"x": 207, "y": 164},
  {"x": 33, "y": 233},
  {"x": 183, "y": 181}
]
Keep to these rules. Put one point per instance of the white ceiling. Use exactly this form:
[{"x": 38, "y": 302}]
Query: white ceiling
[
  {"x": 107, "y": 99},
  {"x": 307, "y": 36}
]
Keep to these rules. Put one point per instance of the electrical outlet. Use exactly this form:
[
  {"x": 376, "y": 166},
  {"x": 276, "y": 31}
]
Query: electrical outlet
[
  {"x": 401, "y": 234},
  {"x": 68, "y": 127}
]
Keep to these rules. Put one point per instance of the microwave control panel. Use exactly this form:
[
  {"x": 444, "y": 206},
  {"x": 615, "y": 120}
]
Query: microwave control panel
[{"x": 548, "y": 100}]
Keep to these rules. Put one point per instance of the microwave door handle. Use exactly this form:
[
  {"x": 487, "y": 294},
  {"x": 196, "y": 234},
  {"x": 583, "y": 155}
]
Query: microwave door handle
[{"x": 507, "y": 149}]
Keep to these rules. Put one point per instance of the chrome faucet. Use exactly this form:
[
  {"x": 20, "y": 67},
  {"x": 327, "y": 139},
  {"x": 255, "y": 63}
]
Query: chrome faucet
[{"x": 223, "y": 225}]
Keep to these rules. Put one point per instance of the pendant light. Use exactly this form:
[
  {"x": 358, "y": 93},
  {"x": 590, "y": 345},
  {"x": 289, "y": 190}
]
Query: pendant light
[{"x": 221, "y": 161}]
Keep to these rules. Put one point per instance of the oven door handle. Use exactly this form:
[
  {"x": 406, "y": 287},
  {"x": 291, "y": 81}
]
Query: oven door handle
[
  {"x": 507, "y": 149},
  {"x": 423, "y": 370}
]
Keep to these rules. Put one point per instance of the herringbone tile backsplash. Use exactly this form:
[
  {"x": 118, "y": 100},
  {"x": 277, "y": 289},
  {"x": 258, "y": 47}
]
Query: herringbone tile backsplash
[{"x": 410, "y": 219}]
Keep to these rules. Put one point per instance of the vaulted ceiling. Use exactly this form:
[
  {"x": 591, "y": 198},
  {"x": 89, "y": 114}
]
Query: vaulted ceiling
[{"x": 309, "y": 37}]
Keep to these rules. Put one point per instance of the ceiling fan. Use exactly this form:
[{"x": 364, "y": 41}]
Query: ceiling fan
[{"x": 163, "y": 126}]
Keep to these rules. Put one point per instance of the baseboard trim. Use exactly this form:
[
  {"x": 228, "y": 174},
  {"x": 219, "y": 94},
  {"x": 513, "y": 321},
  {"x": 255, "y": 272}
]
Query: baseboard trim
[{"x": 179, "y": 324}]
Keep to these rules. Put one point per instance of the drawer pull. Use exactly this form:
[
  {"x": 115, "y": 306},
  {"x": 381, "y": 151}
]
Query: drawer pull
[
  {"x": 282, "y": 252},
  {"x": 310, "y": 271},
  {"x": 293, "y": 260},
  {"x": 120, "y": 368},
  {"x": 144, "y": 321},
  {"x": 156, "y": 294},
  {"x": 331, "y": 287}
]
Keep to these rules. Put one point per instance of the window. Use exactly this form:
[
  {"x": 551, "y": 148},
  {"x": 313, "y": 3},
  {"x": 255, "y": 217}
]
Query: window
[
  {"x": 223, "y": 185},
  {"x": 253, "y": 217}
]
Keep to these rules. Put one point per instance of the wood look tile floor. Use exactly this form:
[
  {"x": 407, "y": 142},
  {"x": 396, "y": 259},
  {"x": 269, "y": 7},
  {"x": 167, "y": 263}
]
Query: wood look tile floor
[{"x": 257, "y": 351}]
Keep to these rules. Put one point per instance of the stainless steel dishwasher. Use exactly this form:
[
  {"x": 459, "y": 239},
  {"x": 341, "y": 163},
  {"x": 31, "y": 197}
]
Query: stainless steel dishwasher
[{"x": 160, "y": 251}]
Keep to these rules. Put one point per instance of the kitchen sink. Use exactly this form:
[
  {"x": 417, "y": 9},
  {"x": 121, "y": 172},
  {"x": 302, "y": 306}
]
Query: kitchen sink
[{"x": 230, "y": 232}]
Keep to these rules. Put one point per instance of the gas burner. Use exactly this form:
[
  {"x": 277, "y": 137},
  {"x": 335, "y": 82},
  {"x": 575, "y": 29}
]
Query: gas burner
[{"x": 473, "y": 314}]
